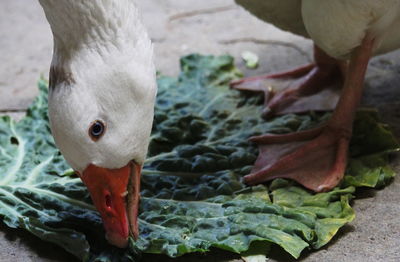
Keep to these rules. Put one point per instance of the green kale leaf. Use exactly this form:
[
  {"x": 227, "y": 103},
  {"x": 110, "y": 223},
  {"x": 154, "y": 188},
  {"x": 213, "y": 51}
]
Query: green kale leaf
[{"x": 192, "y": 196}]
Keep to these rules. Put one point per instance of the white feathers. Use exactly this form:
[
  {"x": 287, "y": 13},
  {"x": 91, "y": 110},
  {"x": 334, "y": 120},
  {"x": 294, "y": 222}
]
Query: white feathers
[
  {"x": 284, "y": 14},
  {"x": 336, "y": 26},
  {"x": 104, "y": 49},
  {"x": 339, "y": 26}
]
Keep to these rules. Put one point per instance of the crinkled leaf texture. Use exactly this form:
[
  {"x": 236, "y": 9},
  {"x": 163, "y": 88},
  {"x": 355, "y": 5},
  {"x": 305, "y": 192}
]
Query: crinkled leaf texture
[{"x": 192, "y": 195}]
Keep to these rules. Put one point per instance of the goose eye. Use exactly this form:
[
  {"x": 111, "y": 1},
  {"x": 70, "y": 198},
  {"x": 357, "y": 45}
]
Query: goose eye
[{"x": 96, "y": 130}]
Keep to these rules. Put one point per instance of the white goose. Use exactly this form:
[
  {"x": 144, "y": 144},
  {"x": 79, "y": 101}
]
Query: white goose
[
  {"x": 346, "y": 34},
  {"x": 102, "y": 92},
  {"x": 101, "y": 100}
]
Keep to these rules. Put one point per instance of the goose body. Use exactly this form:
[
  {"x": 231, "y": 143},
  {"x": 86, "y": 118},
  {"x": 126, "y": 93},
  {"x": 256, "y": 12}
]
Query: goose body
[
  {"x": 101, "y": 102},
  {"x": 336, "y": 26},
  {"x": 284, "y": 14}
]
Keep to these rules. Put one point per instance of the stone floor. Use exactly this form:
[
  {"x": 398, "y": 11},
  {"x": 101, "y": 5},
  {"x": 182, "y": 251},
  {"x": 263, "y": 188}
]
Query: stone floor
[{"x": 179, "y": 27}]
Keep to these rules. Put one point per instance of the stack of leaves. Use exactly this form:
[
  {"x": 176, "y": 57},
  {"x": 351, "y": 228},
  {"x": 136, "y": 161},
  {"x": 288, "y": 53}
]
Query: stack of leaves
[{"x": 192, "y": 195}]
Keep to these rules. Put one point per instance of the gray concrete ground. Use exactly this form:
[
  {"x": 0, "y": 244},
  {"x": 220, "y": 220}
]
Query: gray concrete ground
[{"x": 179, "y": 27}]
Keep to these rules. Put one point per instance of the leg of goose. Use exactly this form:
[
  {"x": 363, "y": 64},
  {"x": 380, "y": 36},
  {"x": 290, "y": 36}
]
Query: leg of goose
[
  {"x": 316, "y": 158},
  {"x": 290, "y": 92}
]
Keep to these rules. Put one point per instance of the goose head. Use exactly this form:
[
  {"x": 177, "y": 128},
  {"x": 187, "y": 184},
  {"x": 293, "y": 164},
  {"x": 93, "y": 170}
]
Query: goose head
[{"x": 101, "y": 102}]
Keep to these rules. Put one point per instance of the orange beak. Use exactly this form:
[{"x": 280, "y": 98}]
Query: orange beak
[{"x": 115, "y": 193}]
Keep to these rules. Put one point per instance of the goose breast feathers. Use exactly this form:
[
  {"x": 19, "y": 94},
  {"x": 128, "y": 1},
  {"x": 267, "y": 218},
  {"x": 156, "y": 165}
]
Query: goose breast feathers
[{"x": 336, "y": 26}]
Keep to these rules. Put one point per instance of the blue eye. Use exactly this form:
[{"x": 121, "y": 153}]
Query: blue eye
[{"x": 96, "y": 130}]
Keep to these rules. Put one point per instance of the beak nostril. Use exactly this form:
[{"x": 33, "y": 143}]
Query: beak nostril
[{"x": 108, "y": 201}]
